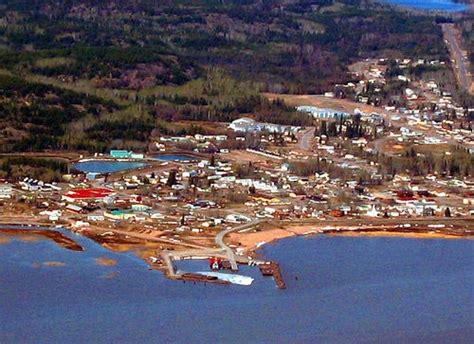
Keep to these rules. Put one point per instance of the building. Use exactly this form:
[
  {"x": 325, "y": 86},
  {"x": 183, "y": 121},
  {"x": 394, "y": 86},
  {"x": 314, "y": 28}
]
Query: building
[
  {"x": 141, "y": 207},
  {"x": 89, "y": 194},
  {"x": 246, "y": 125},
  {"x": 120, "y": 154},
  {"x": 321, "y": 113},
  {"x": 74, "y": 208},
  {"x": 95, "y": 217},
  {"x": 6, "y": 191},
  {"x": 423, "y": 208},
  {"x": 243, "y": 125},
  {"x": 119, "y": 214}
]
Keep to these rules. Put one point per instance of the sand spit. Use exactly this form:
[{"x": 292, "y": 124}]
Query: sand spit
[{"x": 105, "y": 261}]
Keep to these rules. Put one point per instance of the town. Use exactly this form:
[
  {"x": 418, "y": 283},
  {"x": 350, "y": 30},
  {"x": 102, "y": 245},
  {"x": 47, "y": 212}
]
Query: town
[{"x": 403, "y": 169}]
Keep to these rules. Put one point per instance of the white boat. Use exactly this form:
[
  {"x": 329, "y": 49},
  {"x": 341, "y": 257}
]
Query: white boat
[{"x": 234, "y": 279}]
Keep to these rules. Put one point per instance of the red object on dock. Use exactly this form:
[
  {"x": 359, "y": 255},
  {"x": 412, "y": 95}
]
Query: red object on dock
[{"x": 215, "y": 263}]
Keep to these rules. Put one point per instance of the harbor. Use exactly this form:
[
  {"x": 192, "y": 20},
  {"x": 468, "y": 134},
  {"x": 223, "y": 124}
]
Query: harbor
[{"x": 351, "y": 274}]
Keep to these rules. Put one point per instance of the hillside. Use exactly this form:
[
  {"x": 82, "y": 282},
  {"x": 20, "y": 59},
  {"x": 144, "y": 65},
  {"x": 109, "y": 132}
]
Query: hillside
[{"x": 162, "y": 61}]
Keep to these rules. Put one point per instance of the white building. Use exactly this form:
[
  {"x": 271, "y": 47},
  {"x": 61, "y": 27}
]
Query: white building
[
  {"x": 323, "y": 113},
  {"x": 246, "y": 125},
  {"x": 6, "y": 191}
]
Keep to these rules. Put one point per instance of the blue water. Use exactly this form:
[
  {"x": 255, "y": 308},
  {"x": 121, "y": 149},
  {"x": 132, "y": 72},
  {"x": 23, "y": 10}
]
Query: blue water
[
  {"x": 103, "y": 166},
  {"x": 348, "y": 290},
  {"x": 430, "y": 5},
  {"x": 175, "y": 157}
]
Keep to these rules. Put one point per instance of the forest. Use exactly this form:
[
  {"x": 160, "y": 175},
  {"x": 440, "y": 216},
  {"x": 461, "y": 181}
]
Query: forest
[{"x": 115, "y": 73}]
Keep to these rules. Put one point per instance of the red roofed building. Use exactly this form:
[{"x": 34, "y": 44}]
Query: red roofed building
[{"x": 87, "y": 194}]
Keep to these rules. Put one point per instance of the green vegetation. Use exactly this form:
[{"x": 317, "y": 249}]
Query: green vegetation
[
  {"x": 34, "y": 116},
  {"x": 118, "y": 73},
  {"x": 416, "y": 162},
  {"x": 47, "y": 170}
]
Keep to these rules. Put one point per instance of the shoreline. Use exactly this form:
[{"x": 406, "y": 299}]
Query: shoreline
[
  {"x": 49, "y": 234},
  {"x": 252, "y": 242},
  {"x": 245, "y": 243}
]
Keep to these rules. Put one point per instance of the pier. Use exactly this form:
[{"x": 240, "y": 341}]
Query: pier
[
  {"x": 273, "y": 269},
  {"x": 229, "y": 252}
]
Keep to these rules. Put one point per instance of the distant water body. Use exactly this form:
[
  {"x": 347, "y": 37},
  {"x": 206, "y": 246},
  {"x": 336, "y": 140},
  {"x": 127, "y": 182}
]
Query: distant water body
[
  {"x": 107, "y": 166},
  {"x": 348, "y": 290},
  {"x": 431, "y": 5}
]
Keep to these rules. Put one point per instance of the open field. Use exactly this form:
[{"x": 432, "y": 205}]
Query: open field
[{"x": 324, "y": 102}]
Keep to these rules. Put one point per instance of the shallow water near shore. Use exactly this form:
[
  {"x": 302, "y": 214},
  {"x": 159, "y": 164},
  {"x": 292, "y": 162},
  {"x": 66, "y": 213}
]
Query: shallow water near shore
[{"x": 347, "y": 290}]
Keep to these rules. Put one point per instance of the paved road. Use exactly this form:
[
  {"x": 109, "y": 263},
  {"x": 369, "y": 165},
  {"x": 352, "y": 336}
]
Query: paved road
[
  {"x": 224, "y": 251},
  {"x": 461, "y": 64},
  {"x": 229, "y": 252},
  {"x": 307, "y": 138},
  {"x": 169, "y": 256}
]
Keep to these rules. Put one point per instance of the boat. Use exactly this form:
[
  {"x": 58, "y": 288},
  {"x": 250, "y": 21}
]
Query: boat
[{"x": 234, "y": 279}]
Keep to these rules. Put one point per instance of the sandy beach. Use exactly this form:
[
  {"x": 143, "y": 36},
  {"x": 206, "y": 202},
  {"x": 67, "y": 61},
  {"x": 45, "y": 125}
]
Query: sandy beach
[{"x": 252, "y": 240}]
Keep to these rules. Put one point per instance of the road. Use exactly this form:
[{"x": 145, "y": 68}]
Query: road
[
  {"x": 306, "y": 139},
  {"x": 223, "y": 251},
  {"x": 229, "y": 252},
  {"x": 461, "y": 63},
  {"x": 148, "y": 237},
  {"x": 169, "y": 256}
]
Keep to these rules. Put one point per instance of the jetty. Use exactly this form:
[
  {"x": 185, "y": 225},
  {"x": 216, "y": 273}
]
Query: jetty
[{"x": 273, "y": 269}]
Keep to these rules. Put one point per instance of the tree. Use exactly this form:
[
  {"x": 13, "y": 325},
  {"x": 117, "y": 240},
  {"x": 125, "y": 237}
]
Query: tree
[
  {"x": 171, "y": 178},
  {"x": 447, "y": 212}
]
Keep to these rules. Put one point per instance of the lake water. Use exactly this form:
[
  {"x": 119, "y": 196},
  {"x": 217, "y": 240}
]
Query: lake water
[
  {"x": 430, "y": 5},
  {"x": 348, "y": 290},
  {"x": 175, "y": 157},
  {"x": 104, "y": 166}
]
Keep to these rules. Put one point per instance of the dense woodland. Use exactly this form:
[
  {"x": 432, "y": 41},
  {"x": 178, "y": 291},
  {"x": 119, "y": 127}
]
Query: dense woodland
[{"x": 116, "y": 73}]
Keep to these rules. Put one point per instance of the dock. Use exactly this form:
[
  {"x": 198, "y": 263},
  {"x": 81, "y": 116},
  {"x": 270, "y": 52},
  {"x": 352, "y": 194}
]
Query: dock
[
  {"x": 193, "y": 277},
  {"x": 273, "y": 269}
]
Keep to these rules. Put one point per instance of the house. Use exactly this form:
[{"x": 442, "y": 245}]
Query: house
[
  {"x": 30, "y": 184},
  {"x": 237, "y": 218},
  {"x": 202, "y": 138},
  {"x": 423, "y": 208},
  {"x": 53, "y": 215},
  {"x": 119, "y": 214},
  {"x": 6, "y": 191},
  {"x": 95, "y": 217},
  {"x": 141, "y": 207},
  {"x": 74, "y": 208},
  {"x": 468, "y": 199}
]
